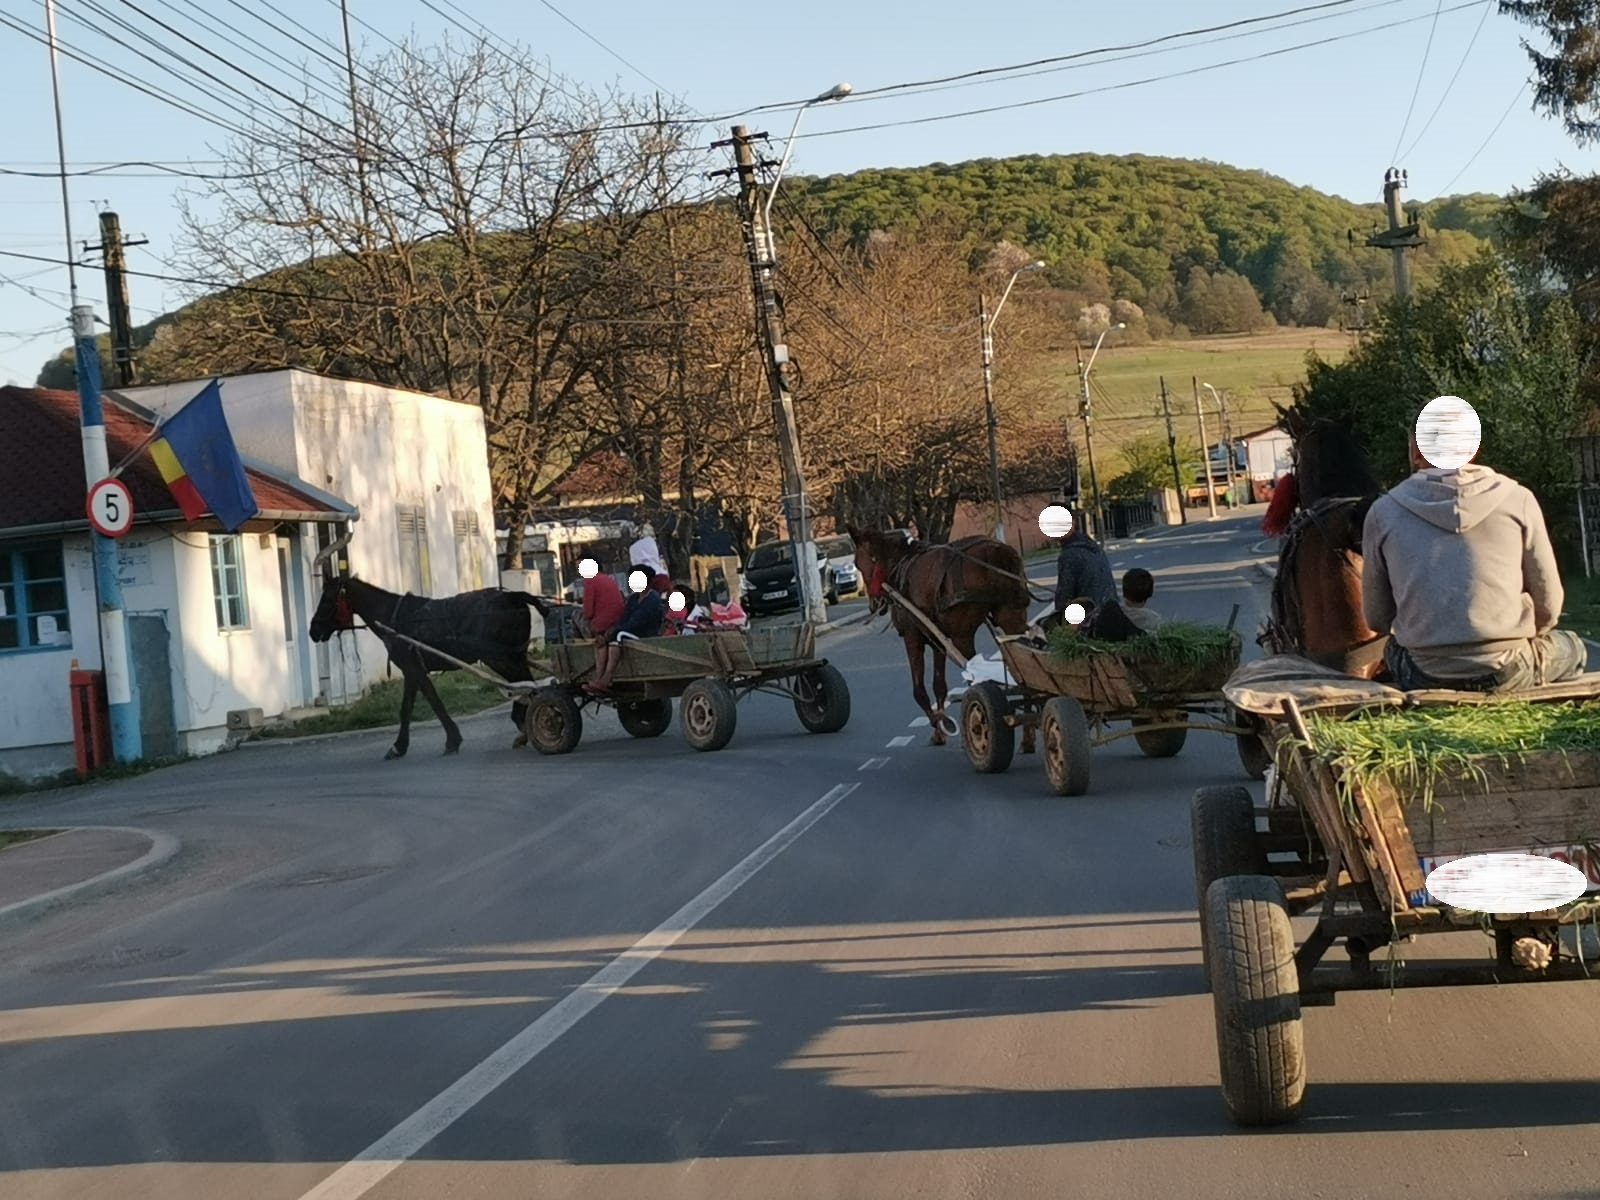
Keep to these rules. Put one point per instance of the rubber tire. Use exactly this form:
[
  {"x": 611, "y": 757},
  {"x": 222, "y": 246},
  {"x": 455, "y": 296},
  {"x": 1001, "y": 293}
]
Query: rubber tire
[
  {"x": 833, "y": 714},
  {"x": 1253, "y": 755},
  {"x": 1162, "y": 743},
  {"x": 708, "y": 713},
  {"x": 645, "y": 718},
  {"x": 989, "y": 742},
  {"x": 1222, "y": 827},
  {"x": 1255, "y": 992},
  {"x": 1065, "y": 732},
  {"x": 553, "y": 723}
]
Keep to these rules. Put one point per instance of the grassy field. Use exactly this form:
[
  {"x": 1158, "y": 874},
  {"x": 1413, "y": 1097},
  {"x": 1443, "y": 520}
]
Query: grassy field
[
  {"x": 1253, "y": 370},
  {"x": 461, "y": 693},
  {"x": 1582, "y": 610}
]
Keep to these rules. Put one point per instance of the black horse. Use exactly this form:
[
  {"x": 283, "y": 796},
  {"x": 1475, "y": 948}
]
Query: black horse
[{"x": 492, "y": 627}]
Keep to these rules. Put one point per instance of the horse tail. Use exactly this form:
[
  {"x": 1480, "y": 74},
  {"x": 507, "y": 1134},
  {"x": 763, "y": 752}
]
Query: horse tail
[{"x": 1285, "y": 498}]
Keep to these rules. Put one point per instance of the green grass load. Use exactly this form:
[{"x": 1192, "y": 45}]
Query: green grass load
[{"x": 1176, "y": 643}]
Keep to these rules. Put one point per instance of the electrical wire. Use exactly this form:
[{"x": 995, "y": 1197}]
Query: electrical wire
[
  {"x": 1445, "y": 190},
  {"x": 1394, "y": 155},
  {"x": 1489, "y": 6},
  {"x": 654, "y": 82}
]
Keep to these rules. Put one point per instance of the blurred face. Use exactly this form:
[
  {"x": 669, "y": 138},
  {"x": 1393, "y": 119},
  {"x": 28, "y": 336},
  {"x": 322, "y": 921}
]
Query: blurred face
[{"x": 638, "y": 581}]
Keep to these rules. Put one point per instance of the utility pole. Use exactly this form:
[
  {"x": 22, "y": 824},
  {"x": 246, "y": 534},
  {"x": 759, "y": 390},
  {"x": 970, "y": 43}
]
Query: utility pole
[
  {"x": 994, "y": 421},
  {"x": 1399, "y": 237},
  {"x": 1085, "y": 411},
  {"x": 115, "y": 267},
  {"x": 1227, "y": 442},
  {"x": 1205, "y": 450},
  {"x": 1172, "y": 450},
  {"x": 759, "y": 246},
  {"x": 121, "y": 697}
]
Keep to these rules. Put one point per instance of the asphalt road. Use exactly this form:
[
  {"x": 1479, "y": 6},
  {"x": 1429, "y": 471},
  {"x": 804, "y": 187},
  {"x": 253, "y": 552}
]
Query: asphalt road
[{"x": 507, "y": 975}]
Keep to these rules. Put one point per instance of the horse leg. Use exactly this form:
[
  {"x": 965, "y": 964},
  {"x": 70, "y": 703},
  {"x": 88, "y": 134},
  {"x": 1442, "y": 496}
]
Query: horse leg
[
  {"x": 940, "y": 691},
  {"x": 408, "y": 700},
  {"x": 919, "y": 687},
  {"x": 452, "y": 732}
]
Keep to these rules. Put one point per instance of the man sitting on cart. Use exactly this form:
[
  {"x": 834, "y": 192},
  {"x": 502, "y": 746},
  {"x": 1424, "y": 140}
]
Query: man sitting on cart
[
  {"x": 642, "y": 618},
  {"x": 1082, "y": 569},
  {"x": 1459, "y": 568}
]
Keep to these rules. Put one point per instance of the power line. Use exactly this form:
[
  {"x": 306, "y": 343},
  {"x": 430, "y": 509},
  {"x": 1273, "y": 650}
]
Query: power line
[
  {"x": 656, "y": 83},
  {"x": 1394, "y": 156},
  {"x": 1116, "y": 87},
  {"x": 1488, "y": 7},
  {"x": 1445, "y": 190}
]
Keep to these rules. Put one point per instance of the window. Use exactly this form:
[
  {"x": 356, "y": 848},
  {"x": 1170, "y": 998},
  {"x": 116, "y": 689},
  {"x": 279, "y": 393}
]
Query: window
[
  {"x": 772, "y": 554},
  {"x": 413, "y": 526},
  {"x": 227, "y": 581},
  {"x": 33, "y": 599},
  {"x": 469, "y": 561}
]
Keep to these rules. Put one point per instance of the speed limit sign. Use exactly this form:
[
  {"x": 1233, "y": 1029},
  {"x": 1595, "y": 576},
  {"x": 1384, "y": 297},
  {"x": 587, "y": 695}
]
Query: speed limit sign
[{"x": 110, "y": 508}]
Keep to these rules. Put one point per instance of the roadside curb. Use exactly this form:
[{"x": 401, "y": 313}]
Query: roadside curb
[
  {"x": 346, "y": 734},
  {"x": 845, "y": 622},
  {"x": 1269, "y": 570},
  {"x": 163, "y": 847}
]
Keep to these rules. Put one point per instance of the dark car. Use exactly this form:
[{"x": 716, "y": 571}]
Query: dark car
[{"x": 770, "y": 583}]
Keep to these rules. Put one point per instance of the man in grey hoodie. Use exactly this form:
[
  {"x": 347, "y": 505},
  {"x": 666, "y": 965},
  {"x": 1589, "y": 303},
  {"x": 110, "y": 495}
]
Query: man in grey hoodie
[
  {"x": 1082, "y": 569},
  {"x": 1459, "y": 569}
]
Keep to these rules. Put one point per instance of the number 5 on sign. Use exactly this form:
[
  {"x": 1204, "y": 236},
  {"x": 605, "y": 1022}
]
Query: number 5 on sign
[{"x": 110, "y": 508}]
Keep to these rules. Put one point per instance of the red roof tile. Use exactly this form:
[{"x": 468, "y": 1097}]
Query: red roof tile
[{"x": 41, "y": 463}]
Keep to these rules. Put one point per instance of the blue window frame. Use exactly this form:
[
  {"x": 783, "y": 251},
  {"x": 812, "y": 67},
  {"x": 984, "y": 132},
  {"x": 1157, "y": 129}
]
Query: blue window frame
[{"x": 33, "y": 599}]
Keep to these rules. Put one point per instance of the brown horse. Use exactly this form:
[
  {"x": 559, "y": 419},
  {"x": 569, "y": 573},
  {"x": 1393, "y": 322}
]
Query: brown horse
[
  {"x": 958, "y": 587},
  {"x": 1316, "y": 597}
]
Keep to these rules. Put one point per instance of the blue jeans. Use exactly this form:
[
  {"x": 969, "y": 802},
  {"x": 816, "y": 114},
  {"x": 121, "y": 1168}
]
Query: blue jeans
[{"x": 1552, "y": 658}]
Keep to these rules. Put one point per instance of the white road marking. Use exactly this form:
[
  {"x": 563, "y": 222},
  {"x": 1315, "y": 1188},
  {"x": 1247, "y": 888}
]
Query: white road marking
[
  {"x": 873, "y": 764},
  {"x": 897, "y": 742},
  {"x": 386, "y": 1155},
  {"x": 919, "y": 723}
]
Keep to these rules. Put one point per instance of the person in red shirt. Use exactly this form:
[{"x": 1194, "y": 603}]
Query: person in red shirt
[{"x": 602, "y": 600}]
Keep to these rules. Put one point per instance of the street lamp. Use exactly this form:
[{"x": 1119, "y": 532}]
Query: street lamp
[
  {"x": 986, "y": 320},
  {"x": 1088, "y": 431},
  {"x": 1227, "y": 439},
  {"x": 798, "y": 519}
]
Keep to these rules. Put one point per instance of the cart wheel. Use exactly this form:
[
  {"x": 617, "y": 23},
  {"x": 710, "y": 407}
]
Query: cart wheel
[
  {"x": 1255, "y": 991},
  {"x": 1253, "y": 756},
  {"x": 1222, "y": 821},
  {"x": 1161, "y": 743},
  {"x": 553, "y": 723},
  {"x": 645, "y": 718},
  {"x": 1066, "y": 745},
  {"x": 708, "y": 713},
  {"x": 985, "y": 736},
  {"x": 828, "y": 709}
]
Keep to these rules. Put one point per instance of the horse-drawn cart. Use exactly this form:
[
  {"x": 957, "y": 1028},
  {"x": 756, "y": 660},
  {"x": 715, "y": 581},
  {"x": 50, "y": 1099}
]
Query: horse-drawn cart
[
  {"x": 709, "y": 672},
  {"x": 1358, "y": 844},
  {"x": 1073, "y": 701}
]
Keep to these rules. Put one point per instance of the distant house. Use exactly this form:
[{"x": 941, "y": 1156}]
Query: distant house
[
  {"x": 1269, "y": 453},
  {"x": 222, "y": 619},
  {"x": 215, "y": 622}
]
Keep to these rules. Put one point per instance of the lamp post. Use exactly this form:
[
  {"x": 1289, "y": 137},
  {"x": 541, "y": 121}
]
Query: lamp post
[
  {"x": 1086, "y": 411},
  {"x": 986, "y": 320},
  {"x": 797, "y": 506},
  {"x": 1227, "y": 438}
]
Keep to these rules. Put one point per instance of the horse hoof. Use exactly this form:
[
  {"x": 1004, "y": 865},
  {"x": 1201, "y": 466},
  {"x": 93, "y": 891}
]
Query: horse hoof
[
  {"x": 518, "y": 742},
  {"x": 937, "y": 739},
  {"x": 394, "y": 752},
  {"x": 456, "y": 749}
]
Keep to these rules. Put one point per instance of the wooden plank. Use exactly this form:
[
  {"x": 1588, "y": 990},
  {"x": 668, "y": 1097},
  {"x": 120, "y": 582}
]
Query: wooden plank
[
  {"x": 1502, "y": 821},
  {"x": 1401, "y": 873},
  {"x": 1311, "y": 785}
]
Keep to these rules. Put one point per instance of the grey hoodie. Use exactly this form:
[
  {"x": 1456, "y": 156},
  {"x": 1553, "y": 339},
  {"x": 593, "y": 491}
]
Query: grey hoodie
[{"x": 1459, "y": 568}]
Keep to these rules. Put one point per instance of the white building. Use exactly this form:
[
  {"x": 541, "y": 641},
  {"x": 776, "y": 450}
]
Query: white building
[{"x": 217, "y": 623}]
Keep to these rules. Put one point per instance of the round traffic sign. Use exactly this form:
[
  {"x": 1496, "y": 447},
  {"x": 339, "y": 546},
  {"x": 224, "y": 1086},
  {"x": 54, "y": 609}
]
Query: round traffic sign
[{"x": 110, "y": 507}]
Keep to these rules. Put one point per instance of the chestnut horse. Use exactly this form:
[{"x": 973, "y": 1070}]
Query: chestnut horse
[
  {"x": 958, "y": 587},
  {"x": 1316, "y": 596}
]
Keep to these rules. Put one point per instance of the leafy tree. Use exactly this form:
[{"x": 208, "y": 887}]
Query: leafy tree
[
  {"x": 1569, "y": 77},
  {"x": 1147, "y": 466}
]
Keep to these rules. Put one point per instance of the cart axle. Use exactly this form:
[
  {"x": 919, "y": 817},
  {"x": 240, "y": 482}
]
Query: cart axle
[{"x": 1450, "y": 973}]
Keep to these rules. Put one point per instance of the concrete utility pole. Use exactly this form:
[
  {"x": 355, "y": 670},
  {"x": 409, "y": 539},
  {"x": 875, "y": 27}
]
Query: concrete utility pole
[
  {"x": 1227, "y": 439},
  {"x": 121, "y": 697},
  {"x": 111, "y": 245},
  {"x": 1205, "y": 450},
  {"x": 1086, "y": 411},
  {"x": 1172, "y": 450},
  {"x": 1399, "y": 237},
  {"x": 775, "y": 350},
  {"x": 986, "y": 321}
]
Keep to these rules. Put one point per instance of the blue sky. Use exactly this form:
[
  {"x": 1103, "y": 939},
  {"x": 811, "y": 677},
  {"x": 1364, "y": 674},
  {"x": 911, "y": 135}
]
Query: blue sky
[{"x": 1327, "y": 117}]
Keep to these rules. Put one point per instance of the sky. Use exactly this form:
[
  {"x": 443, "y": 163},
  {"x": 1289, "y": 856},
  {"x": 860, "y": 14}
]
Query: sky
[{"x": 1440, "y": 95}]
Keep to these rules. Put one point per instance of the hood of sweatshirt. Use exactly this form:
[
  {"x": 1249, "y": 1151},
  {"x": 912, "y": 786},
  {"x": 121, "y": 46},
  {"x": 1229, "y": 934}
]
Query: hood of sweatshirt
[{"x": 1454, "y": 501}]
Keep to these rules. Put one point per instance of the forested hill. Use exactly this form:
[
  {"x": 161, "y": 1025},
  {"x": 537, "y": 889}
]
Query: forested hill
[{"x": 1137, "y": 228}]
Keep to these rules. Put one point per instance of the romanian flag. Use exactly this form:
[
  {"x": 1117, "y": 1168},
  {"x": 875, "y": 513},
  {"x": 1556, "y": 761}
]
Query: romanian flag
[{"x": 197, "y": 458}]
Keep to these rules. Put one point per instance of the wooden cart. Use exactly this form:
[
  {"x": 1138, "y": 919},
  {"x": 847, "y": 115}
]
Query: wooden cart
[
  {"x": 1072, "y": 702},
  {"x": 709, "y": 672},
  {"x": 1357, "y": 858}
]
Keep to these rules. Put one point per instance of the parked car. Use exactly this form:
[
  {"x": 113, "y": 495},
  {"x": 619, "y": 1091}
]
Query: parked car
[
  {"x": 840, "y": 579},
  {"x": 770, "y": 585}
]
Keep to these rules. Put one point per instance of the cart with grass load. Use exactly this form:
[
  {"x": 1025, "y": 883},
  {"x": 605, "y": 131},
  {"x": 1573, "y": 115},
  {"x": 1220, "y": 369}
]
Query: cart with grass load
[
  {"x": 1371, "y": 789},
  {"x": 1073, "y": 702}
]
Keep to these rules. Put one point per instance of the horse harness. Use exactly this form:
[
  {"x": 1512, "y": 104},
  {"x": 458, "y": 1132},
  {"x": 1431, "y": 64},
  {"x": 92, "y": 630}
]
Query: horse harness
[{"x": 1285, "y": 626}]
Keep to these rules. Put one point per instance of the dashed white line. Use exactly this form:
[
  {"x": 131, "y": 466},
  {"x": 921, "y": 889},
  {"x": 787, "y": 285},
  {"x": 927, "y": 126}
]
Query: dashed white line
[
  {"x": 905, "y": 740},
  {"x": 872, "y": 764},
  {"x": 920, "y": 723},
  {"x": 386, "y": 1155}
]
